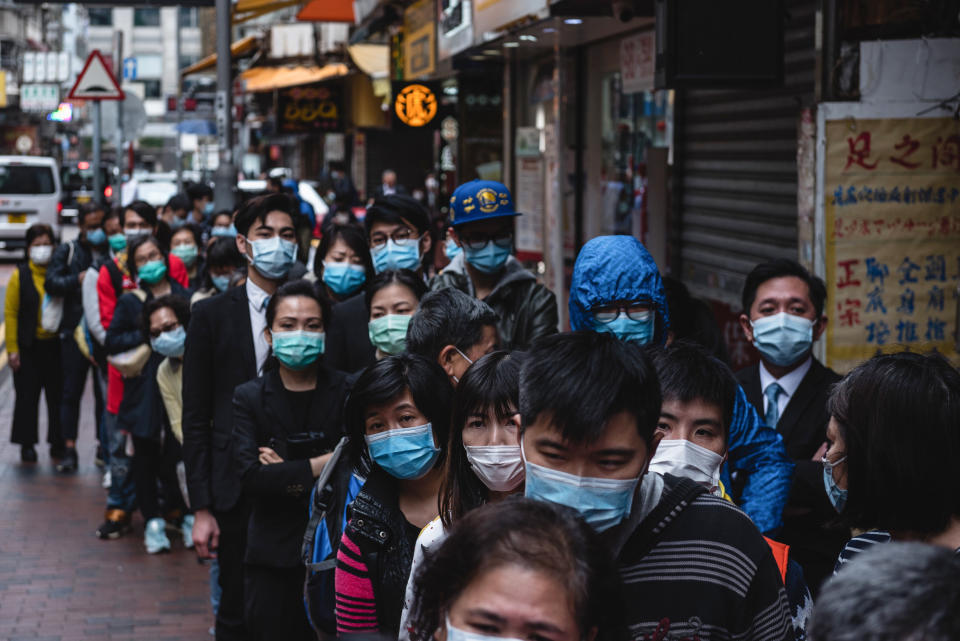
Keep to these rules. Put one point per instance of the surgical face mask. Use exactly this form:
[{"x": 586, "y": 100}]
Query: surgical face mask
[
  {"x": 208, "y": 208},
  {"x": 682, "y": 458},
  {"x": 602, "y": 503},
  {"x": 177, "y": 223},
  {"x": 489, "y": 259},
  {"x": 627, "y": 329},
  {"x": 117, "y": 241},
  {"x": 152, "y": 273},
  {"x": 452, "y": 249},
  {"x": 170, "y": 343},
  {"x": 272, "y": 257},
  {"x": 220, "y": 282},
  {"x": 404, "y": 453},
  {"x": 389, "y": 333},
  {"x": 41, "y": 254},
  {"x": 132, "y": 234},
  {"x": 396, "y": 255},
  {"x": 97, "y": 237},
  {"x": 783, "y": 339},
  {"x": 186, "y": 253},
  {"x": 224, "y": 232},
  {"x": 456, "y": 634},
  {"x": 837, "y": 496},
  {"x": 298, "y": 349},
  {"x": 343, "y": 278},
  {"x": 500, "y": 467}
]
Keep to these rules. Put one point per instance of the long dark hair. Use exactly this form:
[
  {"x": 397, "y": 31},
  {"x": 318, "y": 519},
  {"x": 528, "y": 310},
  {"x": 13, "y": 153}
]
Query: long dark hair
[
  {"x": 354, "y": 238},
  {"x": 534, "y": 535},
  {"x": 493, "y": 382}
]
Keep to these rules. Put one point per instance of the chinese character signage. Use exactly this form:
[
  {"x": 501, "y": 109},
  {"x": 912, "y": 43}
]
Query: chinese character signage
[
  {"x": 892, "y": 190},
  {"x": 304, "y": 109},
  {"x": 419, "y": 40},
  {"x": 637, "y": 56},
  {"x": 415, "y": 104}
]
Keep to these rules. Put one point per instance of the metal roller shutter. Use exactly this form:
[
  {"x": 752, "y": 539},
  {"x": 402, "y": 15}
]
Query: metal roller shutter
[{"x": 737, "y": 170}]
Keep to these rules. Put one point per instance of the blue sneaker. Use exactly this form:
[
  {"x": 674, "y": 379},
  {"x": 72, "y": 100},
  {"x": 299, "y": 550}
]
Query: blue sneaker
[
  {"x": 186, "y": 528},
  {"x": 155, "y": 536}
]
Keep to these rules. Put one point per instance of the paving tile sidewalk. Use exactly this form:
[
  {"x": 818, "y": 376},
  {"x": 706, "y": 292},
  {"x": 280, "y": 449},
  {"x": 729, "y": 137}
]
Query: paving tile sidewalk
[{"x": 58, "y": 581}]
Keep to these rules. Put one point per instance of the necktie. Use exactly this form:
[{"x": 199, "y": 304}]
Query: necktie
[{"x": 773, "y": 412}]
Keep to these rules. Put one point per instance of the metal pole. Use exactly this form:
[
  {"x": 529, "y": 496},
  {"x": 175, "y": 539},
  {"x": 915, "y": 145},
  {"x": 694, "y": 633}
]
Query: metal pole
[
  {"x": 97, "y": 130},
  {"x": 179, "y": 108},
  {"x": 226, "y": 176},
  {"x": 118, "y": 140}
]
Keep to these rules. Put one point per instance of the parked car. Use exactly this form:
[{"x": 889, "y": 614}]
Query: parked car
[
  {"x": 77, "y": 181},
  {"x": 156, "y": 188},
  {"x": 29, "y": 193}
]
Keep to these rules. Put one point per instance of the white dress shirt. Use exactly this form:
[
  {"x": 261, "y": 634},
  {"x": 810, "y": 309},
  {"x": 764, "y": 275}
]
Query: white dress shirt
[
  {"x": 789, "y": 384},
  {"x": 258, "y": 299}
]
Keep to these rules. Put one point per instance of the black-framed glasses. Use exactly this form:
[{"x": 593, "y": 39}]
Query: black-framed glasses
[
  {"x": 400, "y": 235},
  {"x": 637, "y": 311},
  {"x": 479, "y": 241}
]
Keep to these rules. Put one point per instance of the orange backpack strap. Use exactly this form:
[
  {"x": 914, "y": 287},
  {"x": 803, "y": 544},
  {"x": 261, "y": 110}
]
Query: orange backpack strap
[{"x": 781, "y": 554}]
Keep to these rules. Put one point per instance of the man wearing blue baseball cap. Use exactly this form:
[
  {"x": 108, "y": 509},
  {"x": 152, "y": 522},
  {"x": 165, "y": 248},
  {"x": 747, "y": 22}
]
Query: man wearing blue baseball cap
[{"x": 481, "y": 216}]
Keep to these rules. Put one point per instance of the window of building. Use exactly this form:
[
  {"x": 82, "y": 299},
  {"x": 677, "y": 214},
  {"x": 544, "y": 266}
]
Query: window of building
[
  {"x": 188, "y": 17},
  {"x": 146, "y": 17},
  {"x": 100, "y": 16},
  {"x": 151, "y": 89},
  {"x": 187, "y": 59}
]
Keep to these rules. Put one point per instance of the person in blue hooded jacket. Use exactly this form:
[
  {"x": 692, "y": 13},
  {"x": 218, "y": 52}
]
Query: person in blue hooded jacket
[{"x": 616, "y": 288}]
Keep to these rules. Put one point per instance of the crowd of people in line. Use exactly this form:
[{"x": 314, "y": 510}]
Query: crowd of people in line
[{"x": 364, "y": 443}]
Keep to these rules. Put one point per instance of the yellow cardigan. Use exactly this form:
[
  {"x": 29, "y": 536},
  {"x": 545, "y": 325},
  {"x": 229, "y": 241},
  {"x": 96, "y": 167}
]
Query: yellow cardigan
[{"x": 11, "y": 308}]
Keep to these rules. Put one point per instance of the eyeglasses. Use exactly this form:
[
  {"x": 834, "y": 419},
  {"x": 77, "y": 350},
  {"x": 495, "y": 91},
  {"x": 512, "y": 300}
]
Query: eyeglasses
[
  {"x": 635, "y": 311},
  {"x": 479, "y": 241},
  {"x": 400, "y": 235}
]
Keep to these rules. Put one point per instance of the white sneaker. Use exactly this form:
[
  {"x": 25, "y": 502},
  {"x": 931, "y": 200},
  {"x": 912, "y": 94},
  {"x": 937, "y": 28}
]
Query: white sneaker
[
  {"x": 155, "y": 536},
  {"x": 107, "y": 479}
]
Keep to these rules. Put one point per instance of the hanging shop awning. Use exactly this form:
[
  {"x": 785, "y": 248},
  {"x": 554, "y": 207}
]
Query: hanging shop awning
[
  {"x": 259, "y": 79},
  {"x": 327, "y": 11},
  {"x": 371, "y": 59},
  {"x": 239, "y": 49},
  {"x": 245, "y": 10}
]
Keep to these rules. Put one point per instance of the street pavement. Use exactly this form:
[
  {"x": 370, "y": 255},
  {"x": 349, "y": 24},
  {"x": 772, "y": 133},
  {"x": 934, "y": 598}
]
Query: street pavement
[{"x": 58, "y": 581}]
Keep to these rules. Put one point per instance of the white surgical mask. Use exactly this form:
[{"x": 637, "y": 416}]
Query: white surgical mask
[
  {"x": 683, "y": 458},
  {"x": 456, "y": 634},
  {"x": 40, "y": 254},
  {"x": 500, "y": 467}
]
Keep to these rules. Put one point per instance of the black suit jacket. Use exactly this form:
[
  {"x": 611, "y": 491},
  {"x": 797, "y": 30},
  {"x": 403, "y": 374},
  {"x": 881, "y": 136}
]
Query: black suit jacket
[
  {"x": 219, "y": 356},
  {"x": 278, "y": 493},
  {"x": 348, "y": 347},
  {"x": 809, "y": 519}
]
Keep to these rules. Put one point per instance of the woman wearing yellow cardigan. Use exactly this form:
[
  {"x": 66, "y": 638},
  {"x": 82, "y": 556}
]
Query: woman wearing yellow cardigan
[{"x": 33, "y": 352}]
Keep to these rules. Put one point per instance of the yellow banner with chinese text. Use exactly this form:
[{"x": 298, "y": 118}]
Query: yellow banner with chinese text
[{"x": 892, "y": 231}]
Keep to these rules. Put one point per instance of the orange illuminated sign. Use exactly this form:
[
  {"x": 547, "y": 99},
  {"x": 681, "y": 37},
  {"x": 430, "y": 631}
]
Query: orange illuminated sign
[{"x": 416, "y": 105}]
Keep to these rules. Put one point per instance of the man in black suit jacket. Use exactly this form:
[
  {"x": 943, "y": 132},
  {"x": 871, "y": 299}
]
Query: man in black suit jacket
[
  {"x": 783, "y": 316},
  {"x": 226, "y": 347},
  {"x": 388, "y": 186}
]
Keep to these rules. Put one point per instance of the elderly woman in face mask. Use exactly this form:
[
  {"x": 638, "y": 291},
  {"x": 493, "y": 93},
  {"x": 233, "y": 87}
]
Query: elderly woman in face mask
[{"x": 33, "y": 352}]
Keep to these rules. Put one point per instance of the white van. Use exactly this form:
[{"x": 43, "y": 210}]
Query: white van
[{"x": 29, "y": 193}]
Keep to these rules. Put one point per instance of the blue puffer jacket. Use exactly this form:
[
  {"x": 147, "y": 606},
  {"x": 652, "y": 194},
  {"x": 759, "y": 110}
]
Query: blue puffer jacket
[{"x": 619, "y": 268}]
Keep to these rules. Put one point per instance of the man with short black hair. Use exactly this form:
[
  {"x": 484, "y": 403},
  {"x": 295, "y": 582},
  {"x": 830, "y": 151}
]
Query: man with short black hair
[
  {"x": 398, "y": 231},
  {"x": 482, "y": 218},
  {"x": 783, "y": 315},
  {"x": 226, "y": 347},
  {"x": 693, "y": 565},
  {"x": 452, "y": 329},
  {"x": 201, "y": 203}
]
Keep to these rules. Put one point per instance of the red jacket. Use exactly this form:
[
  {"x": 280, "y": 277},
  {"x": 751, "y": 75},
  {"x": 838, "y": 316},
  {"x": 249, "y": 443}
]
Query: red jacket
[{"x": 107, "y": 298}]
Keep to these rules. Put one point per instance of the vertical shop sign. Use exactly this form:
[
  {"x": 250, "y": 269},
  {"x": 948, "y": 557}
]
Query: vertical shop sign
[
  {"x": 892, "y": 205},
  {"x": 419, "y": 40},
  {"x": 637, "y": 58},
  {"x": 529, "y": 194}
]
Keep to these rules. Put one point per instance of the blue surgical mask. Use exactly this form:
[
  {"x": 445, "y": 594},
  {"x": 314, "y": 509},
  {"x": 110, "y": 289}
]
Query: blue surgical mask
[
  {"x": 602, "y": 503},
  {"x": 97, "y": 237},
  {"x": 186, "y": 253},
  {"x": 208, "y": 209},
  {"x": 389, "y": 333},
  {"x": 456, "y": 634},
  {"x": 626, "y": 329},
  {"x": 117, "y": 241},
  {"x": 177, "y": 223},
  {"x": 837, "y": 496},
  {"x": 170, "y": 343},
  {"x": 489, "y": 259},
  {"x": 272, "y": 257},
  {"x": 783, "y": 339},
  {"x": 394, "y": 255},
  {"x": 298, "y": 349},
  {"x": 224, "y": 232},
  {"x": 404, "y": 453},
  {"x": 452, "y": 249},
  {"x": 220, "y": 282},
  {"x": 342, "y": 278}
]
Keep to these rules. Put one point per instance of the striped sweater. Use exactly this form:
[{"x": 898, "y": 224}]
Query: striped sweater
[
  {"x": 356, "y": 607},
  {"x": 696, "y": 568}
]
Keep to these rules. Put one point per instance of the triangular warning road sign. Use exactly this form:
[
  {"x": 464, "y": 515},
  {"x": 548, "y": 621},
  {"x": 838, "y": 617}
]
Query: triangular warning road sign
[{"x": 95, "y": 82}]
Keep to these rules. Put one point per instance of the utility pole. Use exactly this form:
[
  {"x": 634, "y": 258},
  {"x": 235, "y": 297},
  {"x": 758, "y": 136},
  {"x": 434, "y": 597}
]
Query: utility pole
[
  {"x": 118, "y": 139},
  {"x": 97, "y": 131},
  {"x": 179, "y": 148},
  {"x": 226, "y": 176}
]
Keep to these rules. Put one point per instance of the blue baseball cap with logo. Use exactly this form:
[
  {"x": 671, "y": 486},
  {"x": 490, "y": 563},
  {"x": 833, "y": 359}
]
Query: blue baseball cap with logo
[{"x": 480, "y": 200}]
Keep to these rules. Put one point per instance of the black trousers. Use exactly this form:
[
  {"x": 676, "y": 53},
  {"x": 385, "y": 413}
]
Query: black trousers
[
  {"x": 233, "y": 543},
  {"x": 154, "y": 461},
  {"x": 75, "y": 368},
  {"x": 40, "y": 369},
  {"x": 274, "y": 604}
]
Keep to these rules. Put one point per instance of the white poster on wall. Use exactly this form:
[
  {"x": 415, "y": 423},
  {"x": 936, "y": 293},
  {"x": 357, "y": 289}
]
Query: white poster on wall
[
  {"x": 637, "y": 58},
  {"x": 529, "y": 202}
]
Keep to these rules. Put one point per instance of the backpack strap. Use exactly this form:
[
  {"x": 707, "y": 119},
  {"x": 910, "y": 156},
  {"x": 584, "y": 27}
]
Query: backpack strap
[
  {"x": 671, "y": 503},
  {"x": 116, "y": 277},
  {"x": 323, "y": 496}
]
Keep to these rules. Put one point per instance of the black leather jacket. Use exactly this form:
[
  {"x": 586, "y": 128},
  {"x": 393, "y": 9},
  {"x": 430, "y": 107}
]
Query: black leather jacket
[{"x": 63, "y": 279}]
